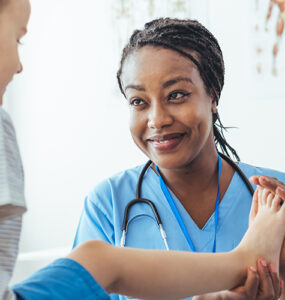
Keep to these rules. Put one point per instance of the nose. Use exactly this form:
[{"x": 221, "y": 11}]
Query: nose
[
  {"x": 159, "y": 116},
  {"x": 20, "y": 68}
]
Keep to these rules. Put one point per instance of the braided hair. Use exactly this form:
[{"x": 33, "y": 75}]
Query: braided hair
[{"x": 184, "y": 36}]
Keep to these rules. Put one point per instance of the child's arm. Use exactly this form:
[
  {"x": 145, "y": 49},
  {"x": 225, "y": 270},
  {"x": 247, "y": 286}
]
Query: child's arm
[{"x": 161, "y": 274}]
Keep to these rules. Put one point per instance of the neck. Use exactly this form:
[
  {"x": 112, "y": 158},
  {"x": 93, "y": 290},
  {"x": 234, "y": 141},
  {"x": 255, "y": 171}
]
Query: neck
[
  {"x": 196, "y": 184},
  {"x": 198, "y": 175}
]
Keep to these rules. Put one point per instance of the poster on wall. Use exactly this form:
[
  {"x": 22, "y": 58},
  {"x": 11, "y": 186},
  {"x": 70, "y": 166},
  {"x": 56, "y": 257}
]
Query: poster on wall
[{"x": 268, "y": 50}]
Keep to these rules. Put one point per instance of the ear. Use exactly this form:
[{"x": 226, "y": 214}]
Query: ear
[{"x": 214, "y": 106}]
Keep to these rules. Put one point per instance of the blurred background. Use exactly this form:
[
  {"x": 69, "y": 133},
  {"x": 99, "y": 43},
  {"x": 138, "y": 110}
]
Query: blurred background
[{"x": 72, "y": 122}]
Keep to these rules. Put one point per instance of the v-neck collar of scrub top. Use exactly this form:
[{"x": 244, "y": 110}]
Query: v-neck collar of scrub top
[{"x": 208, "y": 229}]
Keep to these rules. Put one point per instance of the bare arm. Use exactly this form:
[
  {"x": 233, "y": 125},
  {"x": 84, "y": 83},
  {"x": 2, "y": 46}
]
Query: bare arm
[
  {"x": 135, "y": 272},
  {"x": 157, "y": 274}
]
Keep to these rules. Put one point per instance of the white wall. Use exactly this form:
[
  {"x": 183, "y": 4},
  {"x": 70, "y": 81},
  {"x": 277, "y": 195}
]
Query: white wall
[
  {"x": 72, "y": 123},
  {"x": 259, "y": 138}
]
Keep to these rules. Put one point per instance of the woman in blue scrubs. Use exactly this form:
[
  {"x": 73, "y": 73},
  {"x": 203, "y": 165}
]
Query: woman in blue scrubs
[{"x": 172, "y": 75}]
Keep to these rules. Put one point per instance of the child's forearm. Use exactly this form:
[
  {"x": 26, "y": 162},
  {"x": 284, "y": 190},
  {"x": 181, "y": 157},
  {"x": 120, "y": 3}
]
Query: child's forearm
[{"x": 161, "y": 274}]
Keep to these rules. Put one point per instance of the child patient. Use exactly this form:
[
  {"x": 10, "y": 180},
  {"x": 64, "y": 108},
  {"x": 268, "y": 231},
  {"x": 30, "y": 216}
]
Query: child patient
[{"x": 96, "y": 267}]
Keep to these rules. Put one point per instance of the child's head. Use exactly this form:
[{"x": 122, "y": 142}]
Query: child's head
[{"x": 14, "y": 16}]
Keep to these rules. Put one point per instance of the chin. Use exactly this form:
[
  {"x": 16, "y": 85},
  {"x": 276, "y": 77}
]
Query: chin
[{"x": 168, "y": 162}]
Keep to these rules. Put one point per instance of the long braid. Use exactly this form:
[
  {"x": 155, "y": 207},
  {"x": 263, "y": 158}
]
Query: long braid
[{"x": 184, "y": 36}]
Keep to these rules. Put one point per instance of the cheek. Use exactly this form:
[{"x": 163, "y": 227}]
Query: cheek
[
  {"x": 197, "y": 115},
  {"x": 136, "y": 126}
]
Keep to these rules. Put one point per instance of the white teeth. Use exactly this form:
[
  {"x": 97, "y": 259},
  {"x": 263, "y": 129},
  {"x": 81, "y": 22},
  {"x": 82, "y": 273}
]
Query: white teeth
[{"x": 163, "y": 142}]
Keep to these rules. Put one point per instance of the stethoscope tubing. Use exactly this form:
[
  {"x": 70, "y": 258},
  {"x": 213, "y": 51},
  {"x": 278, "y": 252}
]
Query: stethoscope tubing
[
  {"x": 155, "y": 213},
  {"x": 153, "y": 207}
]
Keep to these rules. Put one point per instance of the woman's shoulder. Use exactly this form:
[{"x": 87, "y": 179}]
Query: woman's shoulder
[
  {"x": 251, "y": 170},
  {"x": 120, "y": 182}
]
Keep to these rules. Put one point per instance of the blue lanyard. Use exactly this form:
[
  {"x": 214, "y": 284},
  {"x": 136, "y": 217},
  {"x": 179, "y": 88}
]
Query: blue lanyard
[{"x": 177, "y": 214}]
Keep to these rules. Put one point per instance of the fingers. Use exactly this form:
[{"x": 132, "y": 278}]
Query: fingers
[
  {"x": 254, "y": 180},
  {"x": 275, "y": 281},
  {"x": 250, "y": 287},
  {"x": 281, "y": 288},
  {"x": 248, "y": 291},
  {"x": 265, "y": 182},
  {"x": 269, "y": 287},
  {"x": 268, "y": 182}
]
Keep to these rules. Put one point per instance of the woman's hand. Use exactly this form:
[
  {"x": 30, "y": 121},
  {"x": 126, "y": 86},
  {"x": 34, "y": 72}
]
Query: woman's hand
[
  {"x": 263, "y": 284},
  {"x": 271, "y": 183}
]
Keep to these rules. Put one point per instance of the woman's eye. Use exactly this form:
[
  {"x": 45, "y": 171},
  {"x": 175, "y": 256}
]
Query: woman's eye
[
  {"x": 137, "y": 102},
  {"x": 177, "y": 95}
]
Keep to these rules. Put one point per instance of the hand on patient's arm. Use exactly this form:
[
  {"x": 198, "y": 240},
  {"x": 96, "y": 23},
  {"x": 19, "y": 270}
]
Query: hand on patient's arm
[
  {"x": 261, "y": 285},
  {"x": 271, "y": 183},
  {"x": 282, "y": 262}
]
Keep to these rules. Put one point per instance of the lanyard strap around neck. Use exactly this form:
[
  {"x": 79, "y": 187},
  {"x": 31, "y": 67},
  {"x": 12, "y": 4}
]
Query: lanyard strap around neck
[{"x": 177, "y": 214}]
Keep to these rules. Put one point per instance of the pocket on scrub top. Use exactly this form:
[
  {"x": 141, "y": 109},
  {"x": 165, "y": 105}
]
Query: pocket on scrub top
[{"x": 143, "y": 232}]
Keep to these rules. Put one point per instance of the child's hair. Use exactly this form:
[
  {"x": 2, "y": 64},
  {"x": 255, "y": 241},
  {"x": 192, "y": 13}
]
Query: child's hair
[{"x": 184, "y": 37}]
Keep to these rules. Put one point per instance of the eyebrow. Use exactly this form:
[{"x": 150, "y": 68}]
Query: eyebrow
[
  {"x": 165, "y": 84},
  {"x": 175, "y": 80},
  {"x": 136, "y": 87}
]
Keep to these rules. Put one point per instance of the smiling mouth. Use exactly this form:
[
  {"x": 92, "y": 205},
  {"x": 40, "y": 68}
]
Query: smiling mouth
[{"x": 166, "y": 142}]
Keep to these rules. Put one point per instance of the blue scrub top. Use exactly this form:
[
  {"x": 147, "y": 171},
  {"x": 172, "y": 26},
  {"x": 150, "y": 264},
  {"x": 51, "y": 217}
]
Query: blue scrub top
[{"x": 104, "y": 207}]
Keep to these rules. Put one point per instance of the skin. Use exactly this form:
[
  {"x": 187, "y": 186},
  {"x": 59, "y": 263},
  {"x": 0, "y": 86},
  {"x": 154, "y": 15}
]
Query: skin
[
  {"x": 265, "y": 283},
  {"x": 153, "y": 274},
  {"x": 183, "y": 107},
  {"x": 14, "y": 16},
  {"x": 167, "y": 96},
  {"x": 278, "y": 187},
  {"x": 13, "y": 22}
]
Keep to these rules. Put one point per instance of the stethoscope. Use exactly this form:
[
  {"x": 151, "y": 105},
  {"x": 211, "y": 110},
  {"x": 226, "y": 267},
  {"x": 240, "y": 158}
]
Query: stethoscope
[{"x": 138, "y": 199}]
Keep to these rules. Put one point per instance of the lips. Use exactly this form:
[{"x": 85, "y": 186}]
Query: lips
[{"x": 166, "y": 142}]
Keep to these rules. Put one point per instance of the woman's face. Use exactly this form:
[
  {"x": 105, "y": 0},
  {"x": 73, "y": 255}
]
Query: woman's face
[{"x": 171, "y": 112}]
